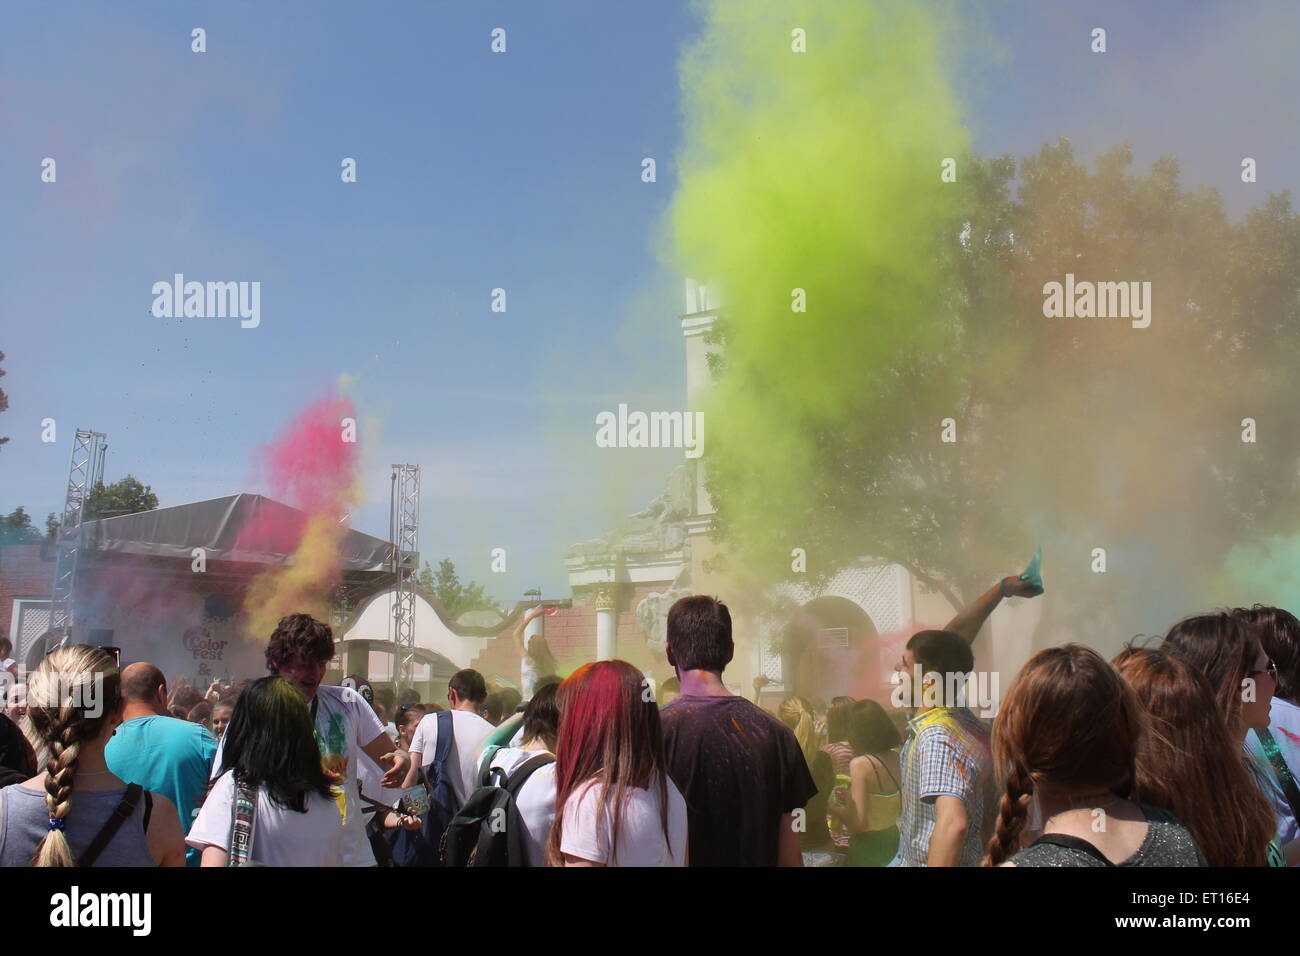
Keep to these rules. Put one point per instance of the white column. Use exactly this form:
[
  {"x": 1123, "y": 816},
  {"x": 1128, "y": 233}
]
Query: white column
[{"x": 606, "y": 623}]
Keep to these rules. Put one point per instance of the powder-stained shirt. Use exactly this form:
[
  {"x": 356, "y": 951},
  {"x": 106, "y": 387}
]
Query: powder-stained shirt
[
  {"x": 740, "y": 770},
  {"x": 344, "y": 724},
  {"x": 946, "y": 753}
]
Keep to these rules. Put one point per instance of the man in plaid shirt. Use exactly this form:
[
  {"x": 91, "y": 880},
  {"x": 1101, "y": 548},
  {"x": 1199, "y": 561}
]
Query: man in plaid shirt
[{"x": 947, "y": 779}]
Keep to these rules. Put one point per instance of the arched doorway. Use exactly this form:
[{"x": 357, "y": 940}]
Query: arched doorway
[{"x": 830, "y": 650}]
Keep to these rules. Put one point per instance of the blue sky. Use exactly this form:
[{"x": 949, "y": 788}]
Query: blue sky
[{"x": 476, "y": 171}]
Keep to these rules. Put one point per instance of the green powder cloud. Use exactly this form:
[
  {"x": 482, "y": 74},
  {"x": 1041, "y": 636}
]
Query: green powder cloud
[{"x": 820, "y": 171}]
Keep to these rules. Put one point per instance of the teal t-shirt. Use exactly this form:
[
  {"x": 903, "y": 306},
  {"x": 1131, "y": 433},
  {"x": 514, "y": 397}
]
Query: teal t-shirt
[{"x": 167, "y": 756}]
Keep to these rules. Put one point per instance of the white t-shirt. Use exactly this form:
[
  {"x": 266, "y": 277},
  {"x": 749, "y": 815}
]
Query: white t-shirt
[
  {"x": 344, "y": 724},
  {"x": 641, "y": 839},
  {"x": 468, "y": 731},
  {"x": 535, "y": 800},
  {"x": 371, "y": 776},
  {"x": 281, "y": 837}
]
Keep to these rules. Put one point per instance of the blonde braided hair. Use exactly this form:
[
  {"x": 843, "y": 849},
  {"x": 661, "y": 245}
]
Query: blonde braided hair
[{"x": 58, "y": 694}]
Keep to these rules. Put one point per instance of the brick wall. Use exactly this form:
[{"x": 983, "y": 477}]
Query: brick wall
[
  {"x": 26, "y": 570},
  {"x": 571, "y": 634}
]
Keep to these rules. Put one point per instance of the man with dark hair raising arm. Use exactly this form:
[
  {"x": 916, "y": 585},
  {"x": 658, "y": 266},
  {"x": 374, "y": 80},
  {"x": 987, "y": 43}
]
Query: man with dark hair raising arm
[{"x": 945, "y": 760}]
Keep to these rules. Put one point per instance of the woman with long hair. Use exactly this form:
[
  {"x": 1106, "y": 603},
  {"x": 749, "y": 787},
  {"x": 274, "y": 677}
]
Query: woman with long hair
[
  {"x": 77, "y": 813},
  {"x": 271, "y": 768},
  {"x": 1066, "y": 738},
  {"x": 1190, "y": 764},
  {"x": 1242, "y": 677},
  {"x": 869, "y": 815},
  {"x": 533, "y": 761},
  {"x": 614, "y": 802},
  {"x": 815, "y": 844}
]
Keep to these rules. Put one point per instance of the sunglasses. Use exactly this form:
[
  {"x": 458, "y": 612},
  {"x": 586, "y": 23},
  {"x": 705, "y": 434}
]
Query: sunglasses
[{"x": 1270, "y": 669}]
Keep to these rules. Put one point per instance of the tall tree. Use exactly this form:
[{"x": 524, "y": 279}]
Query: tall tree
[
  {"x": 125, "y": 495},
  {"x": 16, "y": 528},
  {"x": 1083, "y": 433}
]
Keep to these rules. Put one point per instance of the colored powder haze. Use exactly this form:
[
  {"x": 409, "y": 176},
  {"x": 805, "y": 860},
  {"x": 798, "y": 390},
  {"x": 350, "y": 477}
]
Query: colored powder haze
[
  {"x": 821, "y": 171},
  {"x": 310, "y": 466}
]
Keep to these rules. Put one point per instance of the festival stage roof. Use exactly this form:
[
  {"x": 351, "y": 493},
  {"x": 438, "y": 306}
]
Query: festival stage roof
[{"x": 243, "y": 527}]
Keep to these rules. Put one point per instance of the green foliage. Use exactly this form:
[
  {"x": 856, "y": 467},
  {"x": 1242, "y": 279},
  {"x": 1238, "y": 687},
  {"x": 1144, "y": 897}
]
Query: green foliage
[
  {"x": 925, "y": 303},
  {"x": 455, "y": 597},
  {"x": 4, "y": 399},
  {"x": 16, "y": 528},
  {"x": 127, "y": 495}
]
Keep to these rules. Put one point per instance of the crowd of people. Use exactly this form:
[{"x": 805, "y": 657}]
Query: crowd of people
[{"x": 1178, "y": 753}]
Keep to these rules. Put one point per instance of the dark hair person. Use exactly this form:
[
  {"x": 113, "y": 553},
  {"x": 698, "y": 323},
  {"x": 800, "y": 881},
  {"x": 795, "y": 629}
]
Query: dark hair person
[
  {"x": 270, "y": 750},
  {"x": 1067, "y": 736},
  {"x": 1279, "y": 743},
  {"x": 869, "y": 815},
  {"x": 614, "y": 802},
  {"x": 745, "y": 778},
  {"x": 1189, "y": 764},
  {"x": 55, "y": 819},
  {"x": 1242, "y": 677}
]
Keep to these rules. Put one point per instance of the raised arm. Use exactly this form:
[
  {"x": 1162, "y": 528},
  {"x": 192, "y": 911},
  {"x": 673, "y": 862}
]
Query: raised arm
[
  {"x": 971, "y": 618},
  {"x": 523, "y": 625}
]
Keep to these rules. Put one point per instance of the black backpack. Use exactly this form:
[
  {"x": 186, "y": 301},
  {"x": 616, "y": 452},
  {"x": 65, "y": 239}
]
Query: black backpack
[{"x": 487, "y": 830}]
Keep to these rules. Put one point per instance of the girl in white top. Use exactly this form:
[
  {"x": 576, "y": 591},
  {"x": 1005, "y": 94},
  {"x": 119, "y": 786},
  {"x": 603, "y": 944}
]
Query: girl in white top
[
  {"x": 536, "y": 798},
  {"x": 614, "y": 802},
  {"x": 270, "y": 748}
]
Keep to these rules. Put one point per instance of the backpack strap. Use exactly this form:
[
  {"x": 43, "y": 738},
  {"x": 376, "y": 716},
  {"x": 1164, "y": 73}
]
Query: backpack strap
[
  {"x": 148, "y": 809},
  {"x": 446, "y": 733},
  {"x": 124, "y": 811},
  {"x": 1284, "y": 775},
  {"x": 1073, "y": 843},
  {"x": 485, "y": 765},
  {"x": 525, "y": 770}
]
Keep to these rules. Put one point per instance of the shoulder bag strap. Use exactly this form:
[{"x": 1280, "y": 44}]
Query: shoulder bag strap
[
  {"x": 243, "y": 826},
  {"x": 1284, "y": 775},
  {"x": 114, "y": 823}
]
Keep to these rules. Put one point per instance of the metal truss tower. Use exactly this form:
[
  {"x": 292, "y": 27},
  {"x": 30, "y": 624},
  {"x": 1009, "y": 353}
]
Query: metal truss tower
[
  {"x": 403, "y": 532},
  {"x": 85, "y": 473}
]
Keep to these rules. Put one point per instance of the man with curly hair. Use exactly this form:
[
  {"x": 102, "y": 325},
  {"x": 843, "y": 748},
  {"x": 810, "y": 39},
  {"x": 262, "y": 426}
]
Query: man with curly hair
[{"x": 299, "y": 650}]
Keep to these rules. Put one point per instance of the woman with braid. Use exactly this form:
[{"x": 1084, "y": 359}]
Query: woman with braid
[
  {"x": 1066, "y": 738},
  {"x": 77, "y": 813}
]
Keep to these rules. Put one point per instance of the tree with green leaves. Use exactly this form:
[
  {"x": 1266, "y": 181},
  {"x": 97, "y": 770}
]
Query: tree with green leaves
[
  {"x": 987, "y": 426},
  {"x": 4, "y": 399},
  {"x": 126, "y": 495},
  {"x": 455, "y": 598},
  {"x": 16, "y": 528}
]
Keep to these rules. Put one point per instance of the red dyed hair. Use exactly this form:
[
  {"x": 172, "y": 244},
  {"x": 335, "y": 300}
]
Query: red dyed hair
[{"x": 609, "y": 726}]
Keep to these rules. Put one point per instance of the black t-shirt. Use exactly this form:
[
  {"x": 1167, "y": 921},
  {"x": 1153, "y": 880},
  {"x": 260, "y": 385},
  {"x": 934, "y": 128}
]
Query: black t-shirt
[{"x": 740, "y": 769}]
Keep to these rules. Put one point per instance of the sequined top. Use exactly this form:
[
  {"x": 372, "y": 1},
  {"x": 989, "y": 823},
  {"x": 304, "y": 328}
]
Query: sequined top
[{"x": 1167, "y": 843}]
